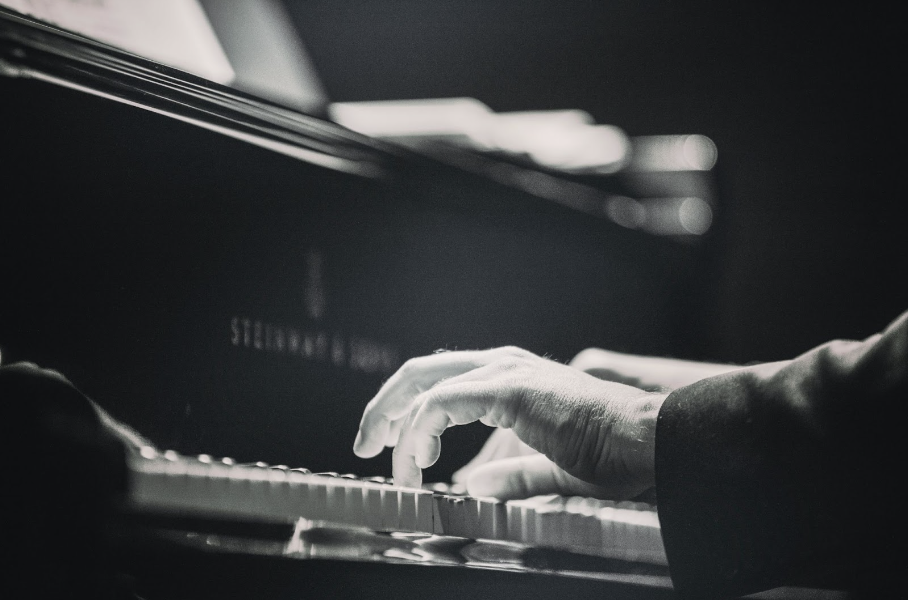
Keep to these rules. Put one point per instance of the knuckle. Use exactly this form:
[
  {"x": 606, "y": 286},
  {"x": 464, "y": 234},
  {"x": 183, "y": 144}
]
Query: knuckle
[
  {"x": 415, "y": 388},
  {"x": 374, "y": 416},
  {"x": 430, "y": 399},
  {"x": 509, "y": 364},
  {"x": 515, "y": 363},
  {"x": 410, "y": 367},
  {"x": 515, "y": 351},
  {"x": 372, "y": 410}
]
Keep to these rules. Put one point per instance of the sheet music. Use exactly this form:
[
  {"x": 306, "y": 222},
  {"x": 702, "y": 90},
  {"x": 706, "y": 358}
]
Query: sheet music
[{"x": 173, "y": 32}]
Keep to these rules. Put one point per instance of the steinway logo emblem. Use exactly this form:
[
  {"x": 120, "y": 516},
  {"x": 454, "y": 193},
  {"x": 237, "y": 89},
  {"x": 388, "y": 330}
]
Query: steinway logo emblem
[
  {"x": 314, "y": 293},
  {"x": 315, "y": 343}
]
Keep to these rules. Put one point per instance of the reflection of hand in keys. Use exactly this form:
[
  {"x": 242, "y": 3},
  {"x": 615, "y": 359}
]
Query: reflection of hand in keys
[{"x": 595, "y": 437}]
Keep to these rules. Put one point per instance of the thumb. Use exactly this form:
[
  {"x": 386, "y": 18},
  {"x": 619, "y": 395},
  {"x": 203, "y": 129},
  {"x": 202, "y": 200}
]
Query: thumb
[{"x": 527, "y": 476}]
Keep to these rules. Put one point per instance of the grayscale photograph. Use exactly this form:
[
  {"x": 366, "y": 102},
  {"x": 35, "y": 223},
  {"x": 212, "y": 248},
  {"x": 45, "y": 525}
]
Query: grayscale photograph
[{"x": 453, "y": 299}]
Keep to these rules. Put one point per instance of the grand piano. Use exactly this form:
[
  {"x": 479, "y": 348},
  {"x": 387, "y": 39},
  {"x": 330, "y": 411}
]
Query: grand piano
[{"x": 234, "y": 278}]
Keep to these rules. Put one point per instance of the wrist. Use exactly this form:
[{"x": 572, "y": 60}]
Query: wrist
[{"x": 640, "y": 438}]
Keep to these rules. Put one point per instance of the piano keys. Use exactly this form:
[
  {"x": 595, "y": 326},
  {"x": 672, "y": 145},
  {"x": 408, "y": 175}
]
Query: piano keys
[{"x": 170, "y": 483}]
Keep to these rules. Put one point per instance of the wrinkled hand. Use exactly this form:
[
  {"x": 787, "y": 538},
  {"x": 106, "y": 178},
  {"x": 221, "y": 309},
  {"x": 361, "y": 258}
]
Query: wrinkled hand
[
  {"x": 485, "y": 472},
  {"x": 594, "y": 437}
]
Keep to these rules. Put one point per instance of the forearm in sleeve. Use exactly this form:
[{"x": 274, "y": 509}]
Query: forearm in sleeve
[{"x": 782, "y": 474}]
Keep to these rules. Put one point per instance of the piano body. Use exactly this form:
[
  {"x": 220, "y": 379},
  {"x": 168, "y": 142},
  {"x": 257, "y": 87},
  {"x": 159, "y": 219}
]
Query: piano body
[{"x": 235, "y": 278}]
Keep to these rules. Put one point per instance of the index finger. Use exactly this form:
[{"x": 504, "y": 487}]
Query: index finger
[{"x": 396, "y": 396}]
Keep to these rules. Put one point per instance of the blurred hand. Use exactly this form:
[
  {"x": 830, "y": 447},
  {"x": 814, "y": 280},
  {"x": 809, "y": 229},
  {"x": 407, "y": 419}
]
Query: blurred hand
[
  {"x": 30, "y": 369},
  {"x": 54, "y": 389},
  {"x": 593, "y": 437},
  {"x": 502, "y": 444},
  {"x": 645, "y": 372}
]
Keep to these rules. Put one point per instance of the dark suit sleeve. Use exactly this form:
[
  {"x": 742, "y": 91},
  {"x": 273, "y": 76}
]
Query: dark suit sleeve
[{"x": 787, "y": 473}]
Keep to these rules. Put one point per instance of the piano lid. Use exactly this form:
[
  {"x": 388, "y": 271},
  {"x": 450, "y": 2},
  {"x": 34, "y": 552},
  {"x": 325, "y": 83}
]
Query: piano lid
[{"x": 30, "y": 48}]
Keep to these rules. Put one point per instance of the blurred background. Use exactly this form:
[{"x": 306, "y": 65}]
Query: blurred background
[
  {"x": 803, "y": 104},
  {"x": 780, "y": 228}
]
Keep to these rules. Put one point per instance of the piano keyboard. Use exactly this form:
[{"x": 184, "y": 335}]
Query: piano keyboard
[{"x": 168, "y": 482}]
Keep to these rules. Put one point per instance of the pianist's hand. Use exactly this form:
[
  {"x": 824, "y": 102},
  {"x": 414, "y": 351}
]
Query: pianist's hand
[
  {"x": 594, "y": 437},
  {"x": 653, "y": 374}
]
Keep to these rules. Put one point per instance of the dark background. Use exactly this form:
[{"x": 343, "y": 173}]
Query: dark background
[
  {"x": 808, "y": 243},
  {"x": 133, "y": 239}
]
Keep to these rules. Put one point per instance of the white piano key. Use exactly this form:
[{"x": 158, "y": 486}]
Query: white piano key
[
  {"x": 318, "y": 492},
  {"x": 444, "y": 513},
  {"x": 214, "y": 477},
  {"x": 643, "y": 536},
  {"x": 276, "y": 502},
  {"x": 221, "y": 490},
  {"x": 299, "y": 499},
  {"x": 539, "y": 529},
  {"x": 548, "y": 523},
  {"x": 590, "y": 525},
  {"x": 372, "y": 506},
  {"x": 444, "y": 508},
  {"x": 572, "y": 521},
  {"x": 457, "y": 515},
  {"x": 407, "y": 510},
  {"x": 514, "y": 523},
  {"x": 335, "y": 503},
  {"x": 574, "y": 533},
  {"x": 492, "y": 518},
  {"x": 471, "y": 518},
  {"x": 530, "y": 529},
  {"x": 607, "y": 540},
  {"x": 390, "y": 508},
  {"x": 499, "y": 509},
  {"x": 622, "y": 535},
  {"x": 252, "y": 495},
  {"x": 425, "y": 512},
  {"x": 523, "y": 515},
  {"x": 354, "y": 502}
]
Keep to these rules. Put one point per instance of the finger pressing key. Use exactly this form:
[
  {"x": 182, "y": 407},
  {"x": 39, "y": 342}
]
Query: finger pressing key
[
  {"x": 403, "y": 461},
  {"x": 397, "y": 395},
  {"x": 459, "y": 400}
]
